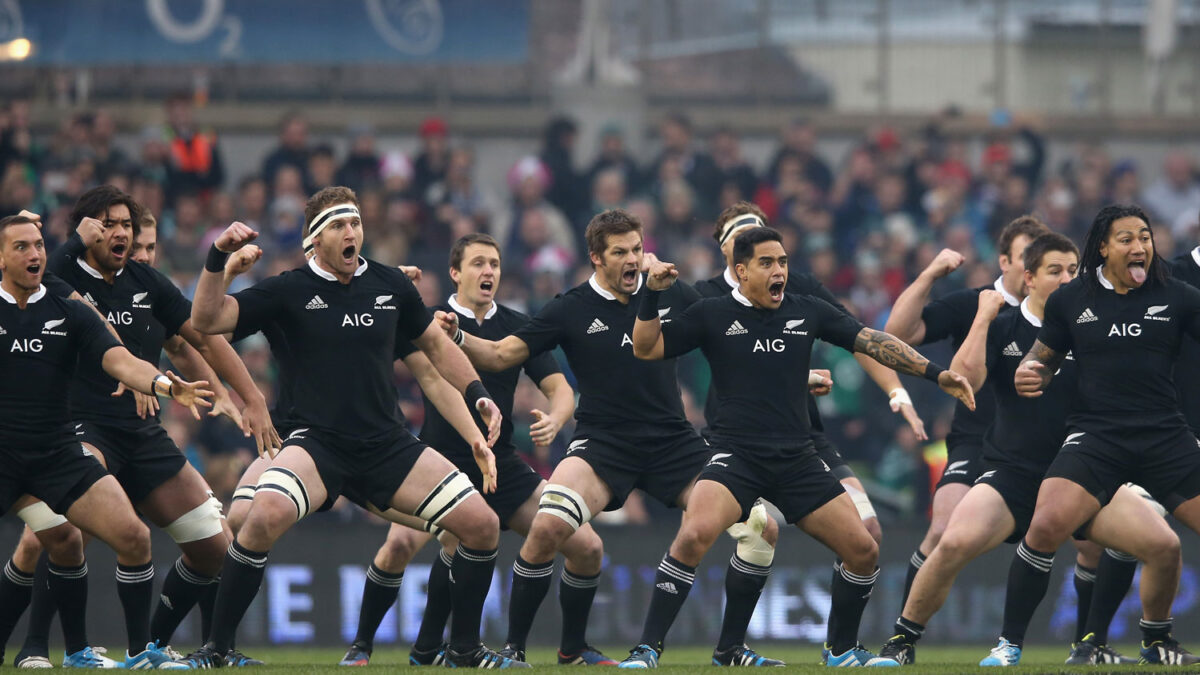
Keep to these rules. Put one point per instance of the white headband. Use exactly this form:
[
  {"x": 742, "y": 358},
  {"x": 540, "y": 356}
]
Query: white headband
[
  {"x": 325, "y": 217},
  {"x": 735, "y": 223}
]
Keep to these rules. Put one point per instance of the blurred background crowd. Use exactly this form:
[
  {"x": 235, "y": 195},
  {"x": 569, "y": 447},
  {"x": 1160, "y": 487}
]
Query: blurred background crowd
[{"x": 864, "y": 201}]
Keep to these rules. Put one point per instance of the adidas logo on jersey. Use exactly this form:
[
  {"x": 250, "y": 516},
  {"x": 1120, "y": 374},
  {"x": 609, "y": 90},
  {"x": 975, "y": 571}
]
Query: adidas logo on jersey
[
  {"x": 736, "y": 328},
  {"x": 2, "y": 331},
  {"x": 668, "y": 587},
  {"x": 1087, "y": 316},
  {"x": 596, "y": 327},
  {"x": 1012, "y": 350},
  {"x": 316, "y": 303},
  {"x": 90, "y": 300}
]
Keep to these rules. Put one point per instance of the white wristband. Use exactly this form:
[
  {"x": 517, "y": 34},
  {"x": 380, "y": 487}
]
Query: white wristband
[
  {"x": 162, "y": 386},
  {"x": 815, "y": 378},
  {"x": 898, "y": 397}
]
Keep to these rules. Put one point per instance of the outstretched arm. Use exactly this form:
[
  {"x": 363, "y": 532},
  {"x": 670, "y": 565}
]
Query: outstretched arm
[
  {"x": 448, "y": 401},
  {"x": 490, "y": 355},
  {"x": 905, "y": 320},
  {"x": 900, "y": 357},
  {"x": 1036, "y": 370},
  {"x": 141, "y": 376}
]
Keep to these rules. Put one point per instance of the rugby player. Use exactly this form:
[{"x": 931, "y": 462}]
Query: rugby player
[
  {"x": 1017, "y": 449},
  {"x": 340, "y": 315},
  {"x": 49, "y": 338},
  {"x": 917, "y": 321},
  {"x": 1123, "y": 320},
  {"x": 631, "y": 431},
  {"x": 736, "y": 219},
  {"x": 761, "y": 434}
]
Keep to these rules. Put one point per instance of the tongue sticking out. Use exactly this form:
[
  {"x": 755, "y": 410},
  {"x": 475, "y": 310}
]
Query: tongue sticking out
[{"x": 1138, "y": 273}]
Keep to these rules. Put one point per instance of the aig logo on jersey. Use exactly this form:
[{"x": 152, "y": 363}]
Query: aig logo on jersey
[
  {"x": 382, "y": 300},
  {"x": 358, "y": 320},
  {"x": 1125, "y": 330},
  {"x": 48, "y": 329},
  {"x": 792, "y": 328},
  {"x": 139, "y": 299},
  {"x": 1154, "y": 312}
]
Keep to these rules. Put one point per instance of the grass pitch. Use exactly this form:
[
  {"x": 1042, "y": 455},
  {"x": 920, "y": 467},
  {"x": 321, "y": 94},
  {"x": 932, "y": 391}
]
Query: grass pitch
[{"x": 804, "y": 659}]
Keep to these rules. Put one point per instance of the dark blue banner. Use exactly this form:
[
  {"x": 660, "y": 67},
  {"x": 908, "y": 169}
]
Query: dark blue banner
[{"x": 111, "y": 32}]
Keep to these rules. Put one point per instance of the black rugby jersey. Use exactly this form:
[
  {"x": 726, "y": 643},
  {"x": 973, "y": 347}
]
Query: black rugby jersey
[
  {"x": 760, "y": 361},
  {"x": 339, "y": 342},
  {"x": 1126, "y": 347},
  {"x": 41, "y": 348},
  {"x": 1186, "y": 268},
  {"x": 798, "y": 283},
  {"x": 950, "y": 317},
  {"x": 1027, "y": 432},
  {"x": 499, "y": 322},
  {"x": 616, "y": 389},
  {"x": 142, "y": 305}
]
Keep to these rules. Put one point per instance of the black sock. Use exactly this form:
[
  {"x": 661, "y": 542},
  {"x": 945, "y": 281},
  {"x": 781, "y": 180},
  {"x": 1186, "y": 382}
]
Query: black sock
[
  {"x": 472, "y": 572},
  {"x": 437, "y": 604},
  {"x": 379, "y": 594},
  {"x": 530, "y": 584},
  {"x": 180, "y": 591},
  {"x": 207, "y": 602},
  {"x": 743, "y": 585},
  {"x": 672, "y": 582},
  {"x": 1114, "y": 576},
  {"x": 848, "y": 597},
  {"x": 1085, "y": 583},
  {"x": 16, "y": 588},
  {"x": 1153, "y": 631},
  {"x": 42, "y": 609},
  {"x": 135, "y": 588},
  {"x": 575, "y": 596},
  {"x": 69, "y": 588},
  {"x": 241, "y": 576},
  {"x": 914, "y": 565},
  {"x": 909, "y": 631},
  {"x": 1028, "y": 579}
]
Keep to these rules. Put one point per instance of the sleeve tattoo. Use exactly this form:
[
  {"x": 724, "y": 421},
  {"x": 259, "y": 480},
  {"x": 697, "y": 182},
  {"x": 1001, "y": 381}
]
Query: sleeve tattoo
[
  {"x": 890, "y": 351},
  {"x": 1046, "y": 356}
]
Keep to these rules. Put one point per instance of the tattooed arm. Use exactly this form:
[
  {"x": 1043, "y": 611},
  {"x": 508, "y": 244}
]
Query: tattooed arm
[
  {"x": 1036, "y": 370},
  {"x": 900, "y": 357}
]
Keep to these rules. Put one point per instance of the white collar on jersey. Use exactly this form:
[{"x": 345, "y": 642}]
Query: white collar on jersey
[
  {"x": 737, "y": 295},
  {"x": 605, "y": 294},
  {"x": 1008, "y": 297},
  {"x": 38, "y": 295},
  {"x": 730, "y": 279},
  {"x": 93, "y": 271},
  {"x": 1196, "y": 255},
  {"x": 1028, "y": 314},
  {"x": 453, "y": 301},
  {"x": 1103, "y": 281},
  {"x": 312, "y": 265}
]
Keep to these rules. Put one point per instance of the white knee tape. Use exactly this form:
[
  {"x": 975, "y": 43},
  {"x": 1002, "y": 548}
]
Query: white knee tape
[
  {"x": 1141, "y": 492},
  {"x": 861, "y": 502},
  {"x": 561, "y": 501},
  {"x": 243, "y": 492},
  {"x": 39, "y": 517},
  {"x": 202, "y": 522},
  {"x": 751, "y": 546},
  {"x": 441, "y": 500},
  {"x": 283, "y": 481}
]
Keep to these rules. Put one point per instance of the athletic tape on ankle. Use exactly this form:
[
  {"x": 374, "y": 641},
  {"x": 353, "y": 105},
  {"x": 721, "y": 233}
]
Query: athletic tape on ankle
[
  {"x": 202, "y": 522},
  {"x": 861, "y": 502},
  {"x": 562, "y": 502},
  {"x": 282, "y": 481},
  {"x": 40, "y": 517},
  {"x": 452, "y": 491}
]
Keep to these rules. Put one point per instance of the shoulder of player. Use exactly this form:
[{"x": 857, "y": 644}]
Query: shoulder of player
[
  {"x": 801, "y": 283},
  {"x": 509, "y": 314}
]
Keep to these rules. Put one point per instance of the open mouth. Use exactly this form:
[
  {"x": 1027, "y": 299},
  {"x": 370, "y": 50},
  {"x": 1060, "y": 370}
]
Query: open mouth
[
  {"x": 348, "y": 254},
  {"x": 118, "y": 250},
  {"x": 629, "y": 276},
  {"x": 34, "y": 268},
  {"x": 776, "y": 290},
  {"x": 1137, "y": 270},
  {"x": 486, "y": 286}
]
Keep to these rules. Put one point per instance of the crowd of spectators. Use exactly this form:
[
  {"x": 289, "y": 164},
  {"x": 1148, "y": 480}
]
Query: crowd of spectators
[{"x": 864, "y": 224}]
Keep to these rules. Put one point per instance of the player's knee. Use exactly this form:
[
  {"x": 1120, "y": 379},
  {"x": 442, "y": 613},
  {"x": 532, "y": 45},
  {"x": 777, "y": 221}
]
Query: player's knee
[
  {"x": 270, "y": 517},
  {"x": 586, "y": 550},
  {"x": 545, "y": 538},
  {"x": 954, "y": 548},
  {"x": 1162, "y": 549},
  {"x": 693, "y": 542},
  {"x": 64, "y": 544},
  {"x": 239, "y": 507},
  {"x": 475, "y": 525},
  {"x": 860, "y": 554},
  {"x": 397, "y": 550},
  {"x": 131, "y": 541},
  {"x": 1046, "y": 532}
]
